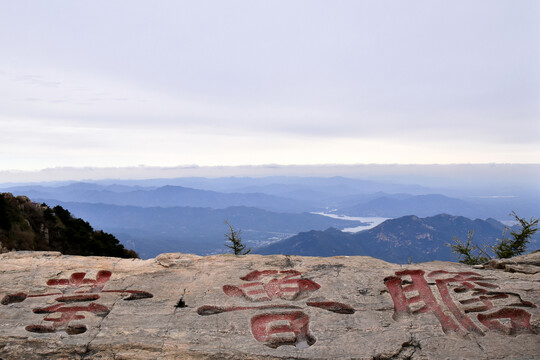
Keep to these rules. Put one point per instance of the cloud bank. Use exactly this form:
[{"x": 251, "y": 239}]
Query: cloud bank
[{"x": 247, "y": 82}]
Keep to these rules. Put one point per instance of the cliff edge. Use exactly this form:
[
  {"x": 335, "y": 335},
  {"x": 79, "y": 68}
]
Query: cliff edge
[{"x": 180, "y": 306}]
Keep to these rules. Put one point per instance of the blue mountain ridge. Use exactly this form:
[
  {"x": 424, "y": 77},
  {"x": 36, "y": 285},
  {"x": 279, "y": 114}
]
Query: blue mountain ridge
[{"x": 400, "y": 240}]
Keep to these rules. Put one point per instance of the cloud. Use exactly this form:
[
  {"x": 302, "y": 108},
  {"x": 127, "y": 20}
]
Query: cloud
[
  {"x": 37, "y": 80},
  {"x": 80, "y": 102},
  {"x": 386, "y": 76}
]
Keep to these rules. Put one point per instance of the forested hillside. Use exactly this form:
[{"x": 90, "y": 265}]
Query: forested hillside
[{"x": 25, "y": 225}]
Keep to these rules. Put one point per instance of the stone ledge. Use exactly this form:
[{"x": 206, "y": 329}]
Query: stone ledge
[{"x": 182, "y": 306}]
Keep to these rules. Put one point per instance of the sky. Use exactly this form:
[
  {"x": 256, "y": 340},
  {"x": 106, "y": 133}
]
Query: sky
[{"x": 171, "y": 83}]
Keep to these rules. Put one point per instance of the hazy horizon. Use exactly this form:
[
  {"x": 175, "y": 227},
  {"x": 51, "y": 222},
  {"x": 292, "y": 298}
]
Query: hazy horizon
[{"x": 442, "y": 175}]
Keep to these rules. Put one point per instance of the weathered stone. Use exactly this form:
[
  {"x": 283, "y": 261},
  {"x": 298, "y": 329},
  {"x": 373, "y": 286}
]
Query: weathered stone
[
  {"x": 527, "y": 264},
  {"x": 179, "y": 306}
]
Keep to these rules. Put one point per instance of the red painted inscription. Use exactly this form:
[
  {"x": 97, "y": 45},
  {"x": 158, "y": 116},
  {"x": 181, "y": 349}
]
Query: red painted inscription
[
  {"x": 461, "y": 293},
  {"x": 282, "y": 329},
  {"x": 76, "y": 290},
  {"x": 332, "y": 306},
  {"x": 272, "y": 284},
  {"x": 276, "y": 327}
]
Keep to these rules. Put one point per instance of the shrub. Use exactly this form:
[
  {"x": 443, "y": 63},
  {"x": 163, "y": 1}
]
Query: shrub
[
  {"x": 468, "y": 253},
  {"x": 508, "y": 248},
  {"x": 471, "y": 254},
  {"x": 236, "y": 241}
]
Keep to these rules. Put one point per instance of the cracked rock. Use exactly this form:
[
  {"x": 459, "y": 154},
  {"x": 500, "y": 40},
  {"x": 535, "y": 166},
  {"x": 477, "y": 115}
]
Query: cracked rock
[{"x": 181, "y": 306}]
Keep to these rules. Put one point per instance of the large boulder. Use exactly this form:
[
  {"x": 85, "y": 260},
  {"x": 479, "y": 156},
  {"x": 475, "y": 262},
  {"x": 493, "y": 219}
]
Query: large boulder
[{"x": 179, "y": 306}]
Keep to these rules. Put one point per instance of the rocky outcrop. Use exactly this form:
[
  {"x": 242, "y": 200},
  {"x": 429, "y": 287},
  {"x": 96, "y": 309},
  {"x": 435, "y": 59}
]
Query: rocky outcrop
[
  {"x": 527, "y": 264},
  {"x": 179, "y": 306}
]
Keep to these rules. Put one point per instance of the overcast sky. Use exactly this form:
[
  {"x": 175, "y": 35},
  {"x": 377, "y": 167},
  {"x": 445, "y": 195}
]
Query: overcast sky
[{"x": 167, "y": 83}]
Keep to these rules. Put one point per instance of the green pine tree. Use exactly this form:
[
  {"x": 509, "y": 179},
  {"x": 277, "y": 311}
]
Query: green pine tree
[
  {"x": 234, "y": 237},
  {"x": 471, "y": 254},
  {"x": 516, "y": 245}
]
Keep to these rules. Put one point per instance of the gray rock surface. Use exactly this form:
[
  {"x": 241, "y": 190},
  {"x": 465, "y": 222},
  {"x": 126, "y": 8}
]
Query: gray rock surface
[
  {"x": 527, "y": 264},
  {"x": 180, "y": 306}
]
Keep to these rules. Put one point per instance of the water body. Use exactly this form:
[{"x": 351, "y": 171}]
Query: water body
[{"x": 367, "y": 222}]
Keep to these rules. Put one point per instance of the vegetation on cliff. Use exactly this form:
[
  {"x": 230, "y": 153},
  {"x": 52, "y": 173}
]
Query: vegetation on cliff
[
  {"x": 472, "y": 254},
  {"x": 25, "y": 225}
]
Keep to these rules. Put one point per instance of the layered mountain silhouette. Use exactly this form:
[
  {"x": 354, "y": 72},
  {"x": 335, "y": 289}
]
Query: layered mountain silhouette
[
  {"x": 345, "y": 196},
  {"x": 401, "y": 240},
  {"x": 187, "y": 214},
  {"x": 154, "y": 230},
  {"x": 164, "y": 196},
  {"x": 419, "y": 205}
]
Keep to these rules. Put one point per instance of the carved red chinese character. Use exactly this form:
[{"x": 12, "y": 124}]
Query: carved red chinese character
[
  {"x": 68, "y": 314},
  {"x": 473, "y": 292},
  {"x": 282, "y": 329},
  {"x": 481, "y": 296},
  {"x": 272, "y": 284},
  {"x": 76, "y": 289},
  {"x": 402, "y": 304},
  {"x": 278, "y": 327}
]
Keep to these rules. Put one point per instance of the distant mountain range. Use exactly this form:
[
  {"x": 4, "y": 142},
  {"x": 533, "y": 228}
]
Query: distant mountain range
[
  {"x": 187, "y": 214},
  {"x": 154, "y": 230},
  {"x": 165, "y": 196},
  {"x": 340, "y": 195},
  {"x": 408, "y": 238},
  {"x": 419, "y": 205}
]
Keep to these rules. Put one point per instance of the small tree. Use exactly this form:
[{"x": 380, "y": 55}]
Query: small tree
[
  {"x": 234, "y": 237},
  {"x": 507, "y": 247},
  {"x": 472, "y": 254},
  {"x": 517, "y": 245}
]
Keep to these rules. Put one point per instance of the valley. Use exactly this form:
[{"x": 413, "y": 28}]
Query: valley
[{"x": 313, "y": 216}]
